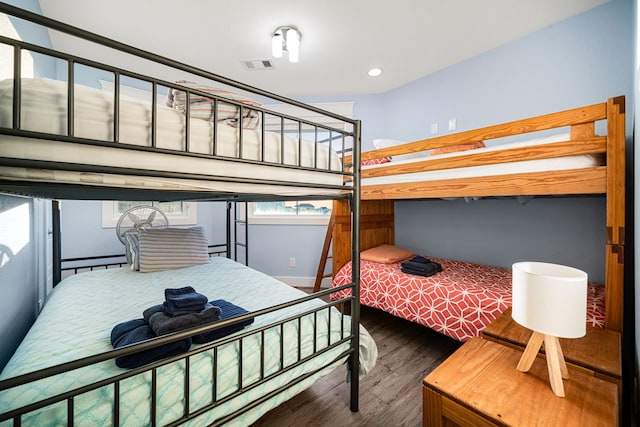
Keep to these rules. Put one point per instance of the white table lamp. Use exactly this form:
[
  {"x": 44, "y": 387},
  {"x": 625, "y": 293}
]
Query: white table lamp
[{"x": 551, "y": 300}]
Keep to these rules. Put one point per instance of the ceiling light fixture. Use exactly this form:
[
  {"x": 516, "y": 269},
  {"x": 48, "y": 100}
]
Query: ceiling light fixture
[
  {"x": 287, "y": 39},
  {"x": 374, "y": 72}
]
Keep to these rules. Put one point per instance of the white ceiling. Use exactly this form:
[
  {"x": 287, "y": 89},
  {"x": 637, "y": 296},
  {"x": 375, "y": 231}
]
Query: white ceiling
[{"x": 341, "y": 39}]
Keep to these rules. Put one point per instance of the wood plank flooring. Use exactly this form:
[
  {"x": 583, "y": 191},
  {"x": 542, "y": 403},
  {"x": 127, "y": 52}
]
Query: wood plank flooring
[{"x": 391, "y": 395}]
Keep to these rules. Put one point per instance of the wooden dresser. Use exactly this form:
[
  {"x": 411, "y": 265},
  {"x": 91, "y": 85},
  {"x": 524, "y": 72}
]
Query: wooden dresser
[{"x": 479, "y": 385}]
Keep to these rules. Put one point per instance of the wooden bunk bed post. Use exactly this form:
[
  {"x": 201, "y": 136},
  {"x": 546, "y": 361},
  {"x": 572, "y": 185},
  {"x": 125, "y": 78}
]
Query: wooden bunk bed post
[
  {"x": 616, "y": 141},
  {"x": 376, "y": 228}
]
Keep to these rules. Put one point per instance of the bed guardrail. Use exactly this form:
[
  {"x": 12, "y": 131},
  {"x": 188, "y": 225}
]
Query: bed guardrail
[{"x": 318, "y": 349}]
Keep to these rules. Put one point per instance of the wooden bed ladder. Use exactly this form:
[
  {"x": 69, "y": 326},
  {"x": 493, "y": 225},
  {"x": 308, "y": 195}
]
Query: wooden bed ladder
[{"x": 322, "y": 265}]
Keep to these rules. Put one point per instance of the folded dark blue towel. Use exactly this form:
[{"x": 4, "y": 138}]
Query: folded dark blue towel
[
  {"x": 420, "y": 259},
  {"x": 227, "y": 311},
  {"x": 417, "y": 266},
  {"x": 134, "y": 331},
  {"x": 179, "y": 301},
  {"x": 425, "y": 270},
  {"x": 163, "y": 324}
]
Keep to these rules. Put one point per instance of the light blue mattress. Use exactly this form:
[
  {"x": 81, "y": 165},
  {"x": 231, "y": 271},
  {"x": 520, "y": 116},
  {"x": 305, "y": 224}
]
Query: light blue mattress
[{"x": 80, "y": 313}]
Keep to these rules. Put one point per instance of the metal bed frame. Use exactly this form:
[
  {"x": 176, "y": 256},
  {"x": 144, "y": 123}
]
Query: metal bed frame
[{"x": 349, "y": 192}]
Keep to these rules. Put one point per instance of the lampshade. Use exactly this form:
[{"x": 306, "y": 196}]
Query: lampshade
[{"x": 550, "y": 298}]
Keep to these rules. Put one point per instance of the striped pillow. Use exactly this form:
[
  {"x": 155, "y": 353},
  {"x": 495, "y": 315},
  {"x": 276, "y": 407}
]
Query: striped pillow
[
  {"x": 202, "y": 107},
  {"x": 170, "y": 248}
]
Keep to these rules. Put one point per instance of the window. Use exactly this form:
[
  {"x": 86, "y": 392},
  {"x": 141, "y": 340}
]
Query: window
[
  {"x": 291, "y": 212},
  {"x": 178, "y": 213}
]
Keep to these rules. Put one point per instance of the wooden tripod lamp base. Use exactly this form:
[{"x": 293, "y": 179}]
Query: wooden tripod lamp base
[
  {"x": 556, "y": 365},
  {"x": 551, "y": 300}
]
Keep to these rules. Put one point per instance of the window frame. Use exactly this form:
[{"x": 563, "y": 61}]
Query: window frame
[
  {"x": 188, "y": 216},
  {"x": 285, "y": 219},
  {"x": 344, "y": 108}
]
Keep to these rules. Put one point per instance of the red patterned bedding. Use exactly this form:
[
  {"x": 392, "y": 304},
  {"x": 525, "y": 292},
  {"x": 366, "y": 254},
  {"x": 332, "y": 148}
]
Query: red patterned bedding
[{"x": 459, "y": 302}]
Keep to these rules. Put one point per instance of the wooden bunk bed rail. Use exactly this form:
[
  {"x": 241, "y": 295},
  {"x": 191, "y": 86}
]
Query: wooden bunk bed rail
[{"x": 573, "y": 117}]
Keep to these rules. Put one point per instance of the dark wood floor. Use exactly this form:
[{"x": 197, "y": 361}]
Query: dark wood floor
[{"x": 391, "y": 395}]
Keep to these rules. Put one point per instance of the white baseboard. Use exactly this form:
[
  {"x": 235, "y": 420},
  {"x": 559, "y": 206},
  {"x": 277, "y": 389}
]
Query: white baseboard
[{"x": 304, "y": 282}]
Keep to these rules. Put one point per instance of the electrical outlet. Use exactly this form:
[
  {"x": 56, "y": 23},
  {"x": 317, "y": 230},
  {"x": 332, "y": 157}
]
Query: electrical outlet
[
  {"x": 452, "y": 124},
  {"x": 434, "y": 128},
  {"x": 292, "y": 262}
]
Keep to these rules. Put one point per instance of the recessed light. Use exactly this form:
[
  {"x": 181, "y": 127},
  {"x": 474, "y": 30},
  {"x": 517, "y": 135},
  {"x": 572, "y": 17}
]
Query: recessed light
[{"x": 375, "y": 72}]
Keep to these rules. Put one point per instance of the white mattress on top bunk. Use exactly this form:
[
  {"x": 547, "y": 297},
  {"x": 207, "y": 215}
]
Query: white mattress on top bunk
[
  {"x": 44, "y": 109},
  {"x": 78, "y": 317},
  {"x": 527, "y": 166}
]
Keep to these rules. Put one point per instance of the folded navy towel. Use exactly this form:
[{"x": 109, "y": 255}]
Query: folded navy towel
[
  {"x": 179, "y": 301},
  {"x": 227, "y": 311},
  {"x": 420, "y": 259},
  {"x": 427, "y": 270},
  {"x": 418, "y": 265},
  {"x": 134, "y": 331},
  {"x": 163, "y": 324}
]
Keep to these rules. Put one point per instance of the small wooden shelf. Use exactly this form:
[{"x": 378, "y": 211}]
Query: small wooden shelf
[{"x": 479, "y": 385}]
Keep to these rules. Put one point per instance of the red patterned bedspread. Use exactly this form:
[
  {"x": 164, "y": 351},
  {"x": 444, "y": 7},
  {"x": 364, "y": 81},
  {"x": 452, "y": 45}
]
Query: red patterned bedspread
[{"x": 459, "y": 302}]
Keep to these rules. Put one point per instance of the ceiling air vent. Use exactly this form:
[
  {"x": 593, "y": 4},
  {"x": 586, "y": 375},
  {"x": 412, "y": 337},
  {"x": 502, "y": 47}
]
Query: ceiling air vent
[{"x": 258, "y": 64}]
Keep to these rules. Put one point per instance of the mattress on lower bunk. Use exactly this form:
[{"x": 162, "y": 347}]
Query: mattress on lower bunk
[
  {"x": 526, "y": 166},
  {"x": 81, "y": 312},
  {"x": 44, "y": 109},
  {"x": 460, "y": 301}
]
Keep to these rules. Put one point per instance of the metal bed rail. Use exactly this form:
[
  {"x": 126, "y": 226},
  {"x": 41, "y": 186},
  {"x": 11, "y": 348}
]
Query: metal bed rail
[
  {"x": 319, "y": 349},
  {"x": 340, "y": 140}
]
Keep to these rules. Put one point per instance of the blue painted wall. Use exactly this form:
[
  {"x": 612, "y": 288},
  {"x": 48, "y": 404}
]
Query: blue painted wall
[{"x": 581, "y": 61}]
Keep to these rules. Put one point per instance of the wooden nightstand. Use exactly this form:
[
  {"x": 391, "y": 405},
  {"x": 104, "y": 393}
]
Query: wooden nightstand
[
  {"x": 598, "y": 353},
  {"x": 479, "y": 385}
]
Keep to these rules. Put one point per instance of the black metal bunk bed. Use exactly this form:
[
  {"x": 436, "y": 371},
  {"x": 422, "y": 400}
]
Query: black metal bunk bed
[{"x": 27, "y": 173}]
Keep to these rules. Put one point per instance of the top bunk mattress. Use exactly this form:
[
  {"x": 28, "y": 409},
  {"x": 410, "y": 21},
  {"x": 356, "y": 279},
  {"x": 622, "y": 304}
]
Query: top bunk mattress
[
  {"x": 218, "y": 156},
  {"x": 526, "y": 166}
]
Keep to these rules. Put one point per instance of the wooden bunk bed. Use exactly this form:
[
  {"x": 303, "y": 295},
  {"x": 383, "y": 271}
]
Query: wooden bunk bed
[
  {"x": 56, "y": 144},
  {"x": 603, "y": 174}
]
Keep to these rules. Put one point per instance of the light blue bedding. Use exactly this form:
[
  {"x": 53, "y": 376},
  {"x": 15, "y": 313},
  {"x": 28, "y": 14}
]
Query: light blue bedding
[{"x": 80, "y": 313}]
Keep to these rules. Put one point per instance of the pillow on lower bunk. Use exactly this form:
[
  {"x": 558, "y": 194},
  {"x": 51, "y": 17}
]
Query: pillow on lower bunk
[
  {"x": 170, "y": 248},
  {"x": 203, "y": 108},
  {"x": 455, "y": 148},
  {"x": 386, "y": 254}
]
